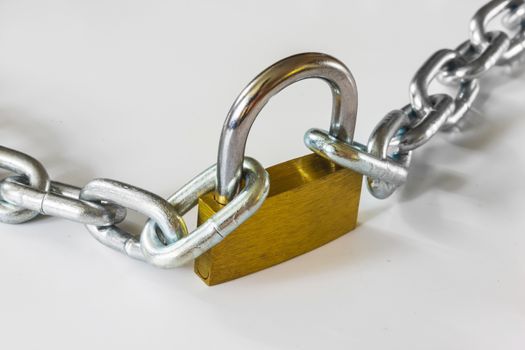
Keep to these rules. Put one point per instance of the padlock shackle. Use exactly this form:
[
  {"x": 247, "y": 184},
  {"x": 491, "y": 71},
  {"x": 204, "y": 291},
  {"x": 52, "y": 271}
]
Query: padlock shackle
[{"x": 254, "y": 97}]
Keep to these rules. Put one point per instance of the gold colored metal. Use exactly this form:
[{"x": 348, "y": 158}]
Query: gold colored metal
[{"x": 311, "y": 202}]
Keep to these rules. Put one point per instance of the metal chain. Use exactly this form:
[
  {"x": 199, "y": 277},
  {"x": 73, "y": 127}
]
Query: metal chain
[
  {"x": 387, "y": 156},
  {"x": 165, "y": 242},
  {"x": 102, "y": 203},
  {"x": 462, "y": 67}
]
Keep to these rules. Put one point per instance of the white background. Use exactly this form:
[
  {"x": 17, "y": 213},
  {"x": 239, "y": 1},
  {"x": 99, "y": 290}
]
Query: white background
[{"x": 138, "y": 90}]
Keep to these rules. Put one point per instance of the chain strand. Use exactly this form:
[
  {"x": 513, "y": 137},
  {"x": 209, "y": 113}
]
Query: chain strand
[
  {"x": 165, "y": 242},
  {"x": 427, "y": 114}
]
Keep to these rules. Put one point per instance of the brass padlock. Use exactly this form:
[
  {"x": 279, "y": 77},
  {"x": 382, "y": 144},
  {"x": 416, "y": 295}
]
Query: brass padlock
[{"x": 311, "y": 202}]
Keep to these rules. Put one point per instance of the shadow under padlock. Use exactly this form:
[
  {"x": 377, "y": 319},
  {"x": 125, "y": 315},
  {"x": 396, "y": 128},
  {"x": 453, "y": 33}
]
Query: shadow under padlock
[{"x": 311, "y": 202}]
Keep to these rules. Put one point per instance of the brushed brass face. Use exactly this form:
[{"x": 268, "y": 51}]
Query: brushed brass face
[{"x": 311, "y": 202}]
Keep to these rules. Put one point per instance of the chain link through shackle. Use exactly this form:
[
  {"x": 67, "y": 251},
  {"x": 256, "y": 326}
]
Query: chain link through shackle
[
  {"x": 404, "y": 130},
  {"x": 385, "y": 160}
]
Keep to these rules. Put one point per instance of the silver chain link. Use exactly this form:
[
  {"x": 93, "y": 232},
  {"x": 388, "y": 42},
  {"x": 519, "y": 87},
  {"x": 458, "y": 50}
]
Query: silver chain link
[
  {"x": 389, "y": 148},
  {"x": 165, "y": 242},
  {"x": 103, "y": 203}
]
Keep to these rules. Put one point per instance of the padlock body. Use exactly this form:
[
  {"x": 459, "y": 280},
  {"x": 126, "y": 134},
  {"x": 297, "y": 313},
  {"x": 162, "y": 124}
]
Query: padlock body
[{"x": 311, "y": 202}]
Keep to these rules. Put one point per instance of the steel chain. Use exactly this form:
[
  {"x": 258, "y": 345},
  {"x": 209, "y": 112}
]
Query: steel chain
[
  {"x": 61, "y": 200},
  {"x": 102, "y": 203},
  {"x": 426, "y": 114},
  {"x": 165, "y": 242},
  {"x": 514, "y": 18}
]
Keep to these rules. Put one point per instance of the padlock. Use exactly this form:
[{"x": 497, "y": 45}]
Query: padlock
[{"x": 311, "y": 202}]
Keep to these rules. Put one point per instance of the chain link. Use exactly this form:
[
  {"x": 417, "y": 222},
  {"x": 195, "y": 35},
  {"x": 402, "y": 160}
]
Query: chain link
[
  {"x": 171, "y": 224},
  {"x": 514, "y": 18},
  {"x": 36, "y": 175},
  {"x": 397, "y": 135},
  {"x": 218, "y": 226},
  {"x": 61, "y": 200},
  {"x": 385, "y": 160},
  {"x": 102, "y": 203},
  {"x": 379, "y": 145}
]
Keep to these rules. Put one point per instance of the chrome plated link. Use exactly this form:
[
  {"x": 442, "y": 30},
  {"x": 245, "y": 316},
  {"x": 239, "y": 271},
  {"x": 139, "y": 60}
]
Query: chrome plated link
[
  {"x": 516, "y": 50},
  {"x": 514, "y": 18},
  {"x": 222, "y": 223},
  {"x": 355, "y": 156},
  {"x": 480, "y": 37},
  {"x": 158, "y": 209},
  {"x": 37, "y": 177},
  {"x": 61, "y": 201},
  {"x": 425, "y": 127},
  {"x": 432, "y": 113},
  {"x": 474, "y": 64},
  {"x": 468, "y": 92},
  {"x": 416, "y": 123},
  {"x": 419, "y": 94},
  {"x": 380, "y": 143}
]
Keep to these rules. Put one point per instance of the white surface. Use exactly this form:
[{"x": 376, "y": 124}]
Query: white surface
[{"x": 138, "y": 91}]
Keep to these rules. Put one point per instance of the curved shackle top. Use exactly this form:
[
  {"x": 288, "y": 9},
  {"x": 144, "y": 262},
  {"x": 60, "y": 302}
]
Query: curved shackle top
[{"x": 254, "y": 97}]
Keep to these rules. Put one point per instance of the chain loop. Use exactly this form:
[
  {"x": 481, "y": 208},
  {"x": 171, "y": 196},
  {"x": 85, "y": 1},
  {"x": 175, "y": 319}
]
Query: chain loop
[
  {"x": 61, "y": 201},
  {"x": 422, "y": 129},
  {"x": 379, "y": 144},
  {"x": 172, "y": 225},
  {"x": 36, "y": 175},
  {"x": 416, "y": 123},
  {"x": 430, "y": 114},
  {"x": 480, "y": 37},
  {"x": 222, "y": 223},
  {"x": 475, "y": 63},
  {"x": 515, "y": 18},
  {"x": 355, "y": 156},
  {"x": 516, "y": 50},
  {"x": 468, "y": 92},
  {"x": 419, "y": 94}
]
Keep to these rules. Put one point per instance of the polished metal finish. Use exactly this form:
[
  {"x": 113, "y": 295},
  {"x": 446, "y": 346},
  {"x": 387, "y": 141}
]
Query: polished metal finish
[
  {"x": 158, "y": 209},
  {"x": 30, "y": 168},
  {"x": 468, "y": 92},
  {"x": 286, "y": 225},
  {"x": 472, "y": 64},
  {"x": 427, "y": 114},
  {"x": 426, "y": 126},
  {"x": 514, "y": 18},
  {"x": 516, "y": 50},
  {"x": 259, "y": 91},
  {"x": 211, "y": 232},
  {"x": 61, "y": 201},
  {"x": 355, "y": 157},
  {"x": 431, "y": 114},
  {"x": 480, "y": 37},
  {"x": 379, "y": 145},
  {"x": 101, "y": 205},
  {"x": 478, "y": 33},
  {"x": 419, "y": 86}
]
